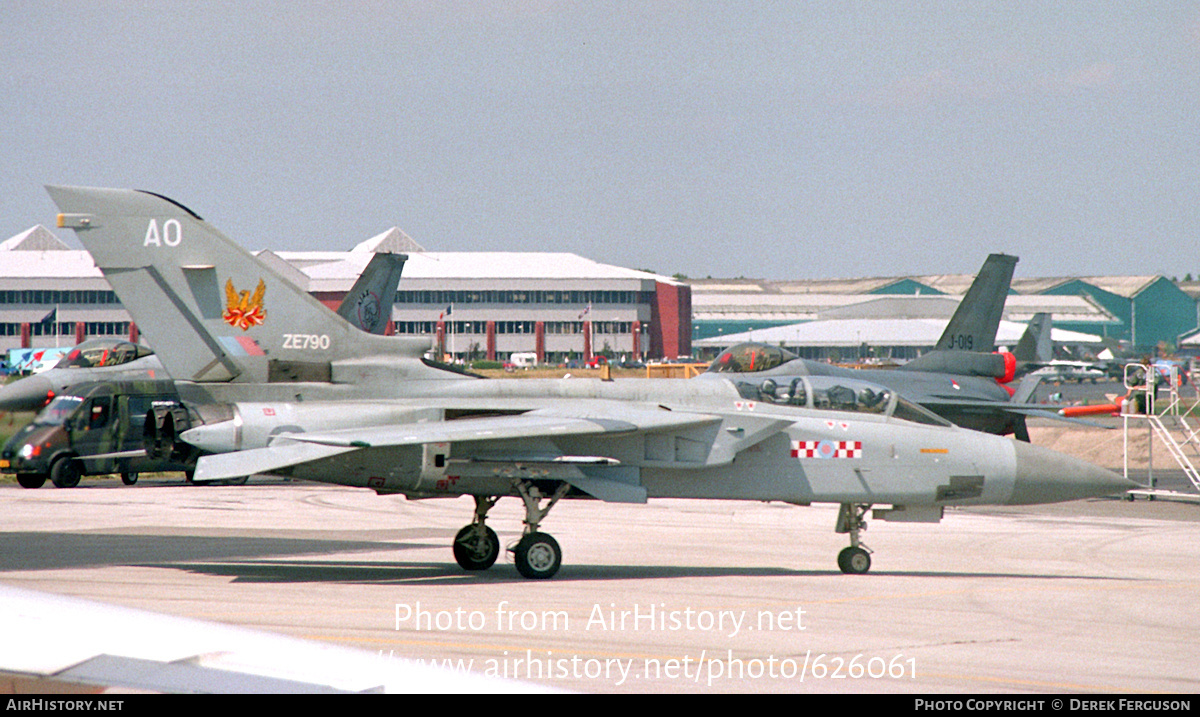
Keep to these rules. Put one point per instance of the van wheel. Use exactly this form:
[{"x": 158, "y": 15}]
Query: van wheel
[
  {"x": 31, "y": 480},
  {"x": 65, "y": 472},
  {"x": 129, "y": 478}
]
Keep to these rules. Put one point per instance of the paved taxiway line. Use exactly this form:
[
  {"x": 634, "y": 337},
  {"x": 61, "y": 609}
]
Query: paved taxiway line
[{"x": 1092, "y": 597}]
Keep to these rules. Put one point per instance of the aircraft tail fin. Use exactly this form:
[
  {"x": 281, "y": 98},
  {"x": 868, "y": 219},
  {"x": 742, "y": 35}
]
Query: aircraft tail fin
[
  {"x": 211, "y": 310},
  {"x": 977, "y": 319},
  {"x": 1035, "y": 345},
  {"x": 368, "y": 306},
  {"x": 972, "y": 328}
]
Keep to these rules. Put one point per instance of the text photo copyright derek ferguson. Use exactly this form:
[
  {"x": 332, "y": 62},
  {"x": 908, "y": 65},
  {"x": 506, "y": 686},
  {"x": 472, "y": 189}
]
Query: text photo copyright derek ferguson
[
  {"x": 1053, "y": 704},
  {"x": 707, "y": 667}
]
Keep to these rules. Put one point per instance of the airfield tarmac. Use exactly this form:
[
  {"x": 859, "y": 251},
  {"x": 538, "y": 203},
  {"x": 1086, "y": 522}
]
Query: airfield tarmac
[{"x": 673, "y": 596}]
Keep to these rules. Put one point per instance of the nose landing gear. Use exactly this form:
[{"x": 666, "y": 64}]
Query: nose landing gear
[{"x": 856, "y": 559}]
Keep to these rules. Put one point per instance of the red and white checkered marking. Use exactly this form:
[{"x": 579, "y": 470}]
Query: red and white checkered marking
[{"x": 826, "y": 449}]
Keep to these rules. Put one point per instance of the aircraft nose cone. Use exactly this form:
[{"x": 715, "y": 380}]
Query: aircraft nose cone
[
  {"x": 27, "y": 394},
  {"x": 1046, "y": 476}
]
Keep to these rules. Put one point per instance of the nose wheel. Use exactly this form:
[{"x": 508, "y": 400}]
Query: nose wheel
[{"x": 856, "y": 559}]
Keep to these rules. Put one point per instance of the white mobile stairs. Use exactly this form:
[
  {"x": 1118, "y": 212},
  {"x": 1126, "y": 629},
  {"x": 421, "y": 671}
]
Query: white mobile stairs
[{"x": 1177, "y": 427}]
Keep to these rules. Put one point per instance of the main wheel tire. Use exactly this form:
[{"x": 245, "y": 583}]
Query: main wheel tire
[
  {"x": 538, "y": 556},
  {"x": 854, "y": 561},
  {"x": 31, "y": 480},
  {"x": 129, "y": 478},
  {"x": 476, "y": 552},
  {"x": 65, "y": 472}
]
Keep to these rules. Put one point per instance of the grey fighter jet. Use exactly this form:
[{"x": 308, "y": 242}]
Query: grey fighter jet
[
  {"x": 961, "y": 379},
  {"x": 367, "y": 307},
  {"x": 286, "y": 387}
]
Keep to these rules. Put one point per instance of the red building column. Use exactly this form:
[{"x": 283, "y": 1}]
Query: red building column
[
  {"x": 671, "y": 321},
  {"x": 80, "y": 332},
  {"x": 587, "y": 341},
  {"x": 539, "y": 341},
  {"x": 491, "y": 341},
  {"x": 26, "y": 335},
  {"x": 134, "y": 334}
]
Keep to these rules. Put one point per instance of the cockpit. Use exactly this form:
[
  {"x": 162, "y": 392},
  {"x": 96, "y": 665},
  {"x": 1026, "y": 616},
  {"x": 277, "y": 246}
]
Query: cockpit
[
  {"x": 833, "y": 393},
  {"x": 102, "y": 352},
  {"x": 750, "y": 358}
]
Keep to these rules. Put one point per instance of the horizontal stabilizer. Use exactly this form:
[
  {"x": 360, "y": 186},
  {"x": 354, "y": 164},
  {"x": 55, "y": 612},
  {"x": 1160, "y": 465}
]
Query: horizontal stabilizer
[
  {"x": 1056, "y": 416},
  {"x": 1029, "y": 410},
  {"x": 1024, "y": 392}
]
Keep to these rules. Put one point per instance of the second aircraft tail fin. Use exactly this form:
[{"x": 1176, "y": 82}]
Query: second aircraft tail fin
[
  {"x": 368, "y": 306},
  {"x": 977, "y": 319}
]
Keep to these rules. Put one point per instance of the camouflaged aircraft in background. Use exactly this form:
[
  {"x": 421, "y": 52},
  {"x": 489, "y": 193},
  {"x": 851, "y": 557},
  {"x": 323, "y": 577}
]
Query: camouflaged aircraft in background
[{"x": 962, "y": 379}]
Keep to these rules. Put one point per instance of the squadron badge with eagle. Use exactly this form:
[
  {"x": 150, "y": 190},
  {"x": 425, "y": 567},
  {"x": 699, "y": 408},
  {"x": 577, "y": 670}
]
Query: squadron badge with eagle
[{"x": 243, "y": 310}]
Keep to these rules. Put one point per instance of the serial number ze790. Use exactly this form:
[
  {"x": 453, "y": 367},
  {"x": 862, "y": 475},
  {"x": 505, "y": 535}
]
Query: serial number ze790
[{"x": 306, "y": 342}]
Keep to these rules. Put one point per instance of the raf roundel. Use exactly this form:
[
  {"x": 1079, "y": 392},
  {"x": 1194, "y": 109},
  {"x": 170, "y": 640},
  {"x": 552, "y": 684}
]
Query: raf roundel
[{"x": 826, "y": 449}]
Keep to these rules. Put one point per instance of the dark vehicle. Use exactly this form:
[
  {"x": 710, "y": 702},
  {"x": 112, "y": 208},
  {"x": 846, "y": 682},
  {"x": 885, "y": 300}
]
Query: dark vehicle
[{"x": 90, "y": 419}]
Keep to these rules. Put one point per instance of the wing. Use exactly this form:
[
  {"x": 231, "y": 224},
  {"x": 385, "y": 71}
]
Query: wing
[
  {"x": 51, "y": 641},
  {"x": 527, "y": 438}
]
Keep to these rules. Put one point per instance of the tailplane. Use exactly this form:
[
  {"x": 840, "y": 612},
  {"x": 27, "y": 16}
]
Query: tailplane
[{"x": 211, "y": 310}]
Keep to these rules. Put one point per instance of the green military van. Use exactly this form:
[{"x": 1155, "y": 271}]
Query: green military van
[{"x": 105, "y": 419}]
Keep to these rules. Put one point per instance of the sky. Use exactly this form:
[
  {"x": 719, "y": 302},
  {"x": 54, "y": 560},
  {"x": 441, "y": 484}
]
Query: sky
[{"x": 789, "y": 140}]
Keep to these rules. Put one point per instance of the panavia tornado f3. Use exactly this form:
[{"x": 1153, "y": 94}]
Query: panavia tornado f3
[{"x": 283, "y": 386}]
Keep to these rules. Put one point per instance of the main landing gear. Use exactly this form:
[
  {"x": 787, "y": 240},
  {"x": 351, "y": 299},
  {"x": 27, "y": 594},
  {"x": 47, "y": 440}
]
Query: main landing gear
[
  {"x": 856, "y": 559},
  {"x": 476, "y": 546},
  {"x": 536, "y": 554}
]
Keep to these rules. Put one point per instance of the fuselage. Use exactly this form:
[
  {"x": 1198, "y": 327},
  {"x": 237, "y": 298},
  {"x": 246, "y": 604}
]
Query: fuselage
[{"x": 754, "y": 447}]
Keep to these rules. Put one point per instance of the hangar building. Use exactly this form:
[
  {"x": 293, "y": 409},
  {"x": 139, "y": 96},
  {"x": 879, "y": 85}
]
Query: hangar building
[
  {"x": 1140, "y": 310},
  {"x": 478, "y": 304}
]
